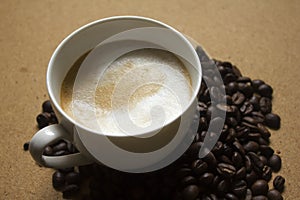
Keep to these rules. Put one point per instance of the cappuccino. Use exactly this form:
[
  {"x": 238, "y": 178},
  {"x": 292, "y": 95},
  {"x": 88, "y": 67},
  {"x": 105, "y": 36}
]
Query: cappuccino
[{"x": 140, "y": 89}]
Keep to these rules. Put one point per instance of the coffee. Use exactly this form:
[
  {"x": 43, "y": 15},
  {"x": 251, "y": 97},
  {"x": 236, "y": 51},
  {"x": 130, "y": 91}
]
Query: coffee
[{"x": 131, "y": 86}]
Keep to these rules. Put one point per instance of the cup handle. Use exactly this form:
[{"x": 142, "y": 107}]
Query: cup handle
[{"x": 50, "y": 135}]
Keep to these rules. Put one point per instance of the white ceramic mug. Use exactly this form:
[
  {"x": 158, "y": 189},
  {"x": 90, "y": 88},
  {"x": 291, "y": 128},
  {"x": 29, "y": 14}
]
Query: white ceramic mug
[{"x": 95, "y": 147}]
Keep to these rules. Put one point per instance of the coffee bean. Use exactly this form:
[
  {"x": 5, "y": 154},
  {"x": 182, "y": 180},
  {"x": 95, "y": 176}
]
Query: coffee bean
[
  {"x": 43, "y": 119},
  {"x": 254, "y": 100},
  {"x": 275, "y": 163},
  {"x": 247, "y": 90},
  {"x": 218, "y": 149},
  {"x": 224, "y": 159},
  {"x": 230, "y": 196},
  {"x": 257, "y": 164},
  {"x": 58, "y": 180},
  {"x": 190, "y": 192},
  {"x": 236, "y": 71},
  {"x": 250, "y": 120},
  {"x": 240, "y": 188},
  {"x": 226, "y": 170},
  {"x": 265, "y": 105},
  {"x": 265, "y": 90},
  {"x": 248, "y": 195},
  {"x": 48, "y": 151},
  {"x": 202, "y": 108},
  {"x": 237, "y": 159},
  {"x": 260, "y": 187},
  {"x": 248, "y": 163},
  {"x": 26, "y": 146},
  {"x": 199, "y": 167},
  {"x": 243, "y": 79},
  {"x": 188, "y": 180},
  {"x": 47, "y": 107},
  {"x": 223, "y": 187},
  {"x": 247, "y": 108},
  {"x": 229, "y": 78},
  {"x": 239, "y": 147},
  {"x": 251, "y": 146},
  {"x": 267, "y": 173},
  {"x": 251, "y": 177},
  {"x": 256, "y": 83},
  {"x": 53, "y": 119},
  {"x": 272, "y": 121},
  {"x": 70, "y": 190},
  {"x": 259, "y": 197},
  {"x": 258, "y": 117},
  {"x": 232, "y": 88},
  {"x": 60, "y": 146},
  {"x": 274, "y": 195},
  {"x": 72, "y": 177},
  {"x": 266, "y": 151},
  {"x": 278, "y": 183},
  {"x": 206, "y": 179},
  {"x": 60, "y": 153},
  {"x": 238, "y": 98},
  {"x": 241, "y": 173},
  {"x": 263, "y": 130},
  {"x": 210, "y": 159},
  {"x": 263, "y": 159}
]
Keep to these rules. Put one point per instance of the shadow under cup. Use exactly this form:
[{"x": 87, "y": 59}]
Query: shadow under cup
[{"x": 88, "y": 37}]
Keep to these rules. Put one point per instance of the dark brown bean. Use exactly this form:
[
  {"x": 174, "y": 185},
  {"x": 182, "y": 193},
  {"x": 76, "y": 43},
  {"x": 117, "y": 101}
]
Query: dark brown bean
[
  {"x": 265, "y": 105},
  {"x": 183, "y": 172},
  {"x": 263, "y": 130},
  {"x": 256, "y": 83},
  {"x": 278, "y": 183},
  {"x": 190, "y": 192},
  {"x": 238, "y": 98},
  {"x": 259, "y": 197},
  {"x": 226, "y": 170},
  {"x": 251, "y": 177},
  {"x": 260, "y": 187},
  {"x": 266, "y": 151},
  {"x": 26, "y": 146},
  {"x": 254, "y": 100},
  {"x": 274, "y": 195},
  {"x": 272, "y": 121},
  {"x": 70, "y": 191},
  {"x": 199, "y": 167},
  {"x": 241, "y": 173},
  {"x": 58, "y": 180},
  {"x": 60, "y": 146},
  {"x": 275, "y": 163},
  {"x": 240, "y": 188},
  {"x": 43, "y": 119},
  {"x": 265, "y": 90},
  {"x": 237, "y": 159},
  {"x": 230, "y": 196},
  {"x": 47, "y": 107},
  {"x": 223, "y": 187},
  {"x": 267, "y": 173},
  {"x": 251, "y": 146},
  {"x": 206, "y": 179},
  {"x": 210, "y": 159},
  {"x": 247, "y": 108},
  {"x": 72, "y": 177}
]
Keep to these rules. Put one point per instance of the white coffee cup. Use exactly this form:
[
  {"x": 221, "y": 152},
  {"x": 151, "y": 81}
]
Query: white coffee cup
[{"x": 129, "y": 154}]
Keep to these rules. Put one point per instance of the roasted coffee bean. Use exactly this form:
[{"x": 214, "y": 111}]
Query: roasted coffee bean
[
  {"x": 53, "y": 119},
  {"x": 188, "y": 180},
  {"x": 47, "y": 107},
  {"x": 247, "y": 108},
  {"x": 259, "y": 197},
  {"x": 265, "y": 105},
  {"x": 238, "y": 98},
  {"x": 239, "y": 147},
  {"x": 70, "y": 191},
  {"x": 223, "y": 187},
  {"x": 263, "y": 159},
  {"x": 274, "y": 195},
  {"x": 258, "y": 116},
  {"x": 202, "y": 108},
  {"x": 263, "y": 130},
  {"x": 224, "y": 159},
  {"x": 58, "y": 180},
  {"x": 193, "y": 150},
  {"x": 266, "y": 151},
  {"x": 206, "y": 179},
  {"x": 48, "y": 151},
  {"x": 265, "y": 90},
  {"x": 230, "y": 196},
  {"x": 218, "y": 149},
  {"x": 240, "y": 188},
  {"x": 231, "y": 121},
  {"x": 202, "y": 124},
  {"x": 182, "y": 172},
  {"x": 248, "y": 195},
  {"x": 226, "y": 170},
  {"x": 232, "y": 88},
  {"x": 275, "y": 163},
  {"x": 254, "y": 100},
  {"x": 250, "y": 120},
  {"x": 43, "y": 119},
  {"x": 251, "y": 146},
  {"x": 243, "y": 79},
  {"x": 251, "y": 177},
  {"x": 248, "y": 163},
  {"x": 257, "y": 164},
  {"x": 266, "y": 173},
  {"x": 260, "y": 187},
  {"x": 60, "y": 146},
  {"x": 256, "y": 83},
  {"x": 199, "y": 167},
  {"x": 242, "y": 131},
  {"x": 217, "y": 179},
  {"x": 237, "y": 159},
  {"x": 272, "y": 121},
  {"x": 241, "y": 173},
  {"x": 278, "y": 183},
  {"x": 236, "y": 71},
  {"x": 210, "y": 159},
  {"x": 72, "y": 177},
  {"x": 190, "y": 192},
  {"x": 26, "y": 146},
  {"x": 229, "y": 78},
  {"x": 247, "y": 90},
  {"x": 263, "y": 141},
  {"x": 60, "y": 153}
]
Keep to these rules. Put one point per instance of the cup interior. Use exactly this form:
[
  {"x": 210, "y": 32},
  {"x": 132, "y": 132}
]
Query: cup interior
[{"x": 87, "y": 37}]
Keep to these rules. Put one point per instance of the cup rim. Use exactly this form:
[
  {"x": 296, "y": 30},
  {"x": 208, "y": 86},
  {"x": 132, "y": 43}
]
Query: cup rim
[{"x": 93, "y": 23}]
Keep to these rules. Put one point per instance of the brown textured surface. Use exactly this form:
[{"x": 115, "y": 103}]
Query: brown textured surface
[{"x": 260, "y": 37}]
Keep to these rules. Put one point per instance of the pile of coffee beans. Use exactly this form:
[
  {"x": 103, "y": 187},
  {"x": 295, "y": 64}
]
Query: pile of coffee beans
[{"x": 240, "y": 165}]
